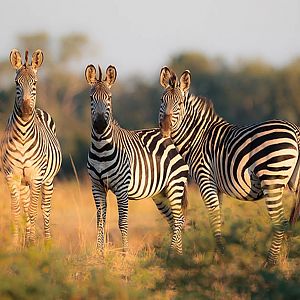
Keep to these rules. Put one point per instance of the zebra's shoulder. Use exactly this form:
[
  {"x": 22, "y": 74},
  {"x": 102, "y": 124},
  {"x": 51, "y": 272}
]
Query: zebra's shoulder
[{"x": 46, "y": 119}]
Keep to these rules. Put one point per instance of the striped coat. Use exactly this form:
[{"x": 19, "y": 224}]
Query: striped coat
[
  {"x": 132, "y": 164},
  {"x": 30, "y": 151},
  {"x": 247, "y": 163}
]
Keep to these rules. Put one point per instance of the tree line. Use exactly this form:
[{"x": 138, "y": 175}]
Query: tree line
[{"x": 243, "y": 93}]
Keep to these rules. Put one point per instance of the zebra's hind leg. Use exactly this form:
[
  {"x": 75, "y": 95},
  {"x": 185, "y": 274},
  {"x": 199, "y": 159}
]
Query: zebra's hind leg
[
  {"x": 122, "y": 199},
  {"x": 163, "y": 205},
  {"x": 47, "y": 191},
  {"x": 99, "y": 194},
  {"x": 280, "y": 224}
]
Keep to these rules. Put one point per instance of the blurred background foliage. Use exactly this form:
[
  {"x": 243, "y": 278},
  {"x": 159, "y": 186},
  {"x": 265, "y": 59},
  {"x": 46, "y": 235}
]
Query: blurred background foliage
[{"x": 243, "y": 93}]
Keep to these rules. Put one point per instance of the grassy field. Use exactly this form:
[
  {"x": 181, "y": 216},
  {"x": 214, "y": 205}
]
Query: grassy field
[{"x": 70, "y": 268}]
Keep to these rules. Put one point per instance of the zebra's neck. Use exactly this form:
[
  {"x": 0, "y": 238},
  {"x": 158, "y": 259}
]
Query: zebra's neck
[
  {"x": 199, "y": 117},
  {"x": 20, "y": 126}
]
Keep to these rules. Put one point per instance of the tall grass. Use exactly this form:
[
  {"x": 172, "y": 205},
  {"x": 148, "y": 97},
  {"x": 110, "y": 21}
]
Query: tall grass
[{"x": 71, "y": 269}]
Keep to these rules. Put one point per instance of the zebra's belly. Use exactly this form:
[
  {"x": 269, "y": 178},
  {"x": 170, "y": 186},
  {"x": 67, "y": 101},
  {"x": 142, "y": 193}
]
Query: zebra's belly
[
  {"x": 248, "y": 187},
  {"x": 248, "y": 195},
  {"x": 139, "y": 195},
  {"x": 145, "y": 188},
  {"x": 23, "y": 173}
]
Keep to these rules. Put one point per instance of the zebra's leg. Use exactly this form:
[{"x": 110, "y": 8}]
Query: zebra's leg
[
  {"x": 122, "y": 199},
  {"x": 209, "y": 193},
  {"x": 175, "y": 193},
  {"x": 15, "y": 210},
  {"x": 163, "y": 205},
  {"x": 25, "y": 198},
  {"x": 34, "y": 197},
  {"x": 99, "y": 194},
  {"x": 280, "y": 224},
  {"x": 47, "y": 191}
]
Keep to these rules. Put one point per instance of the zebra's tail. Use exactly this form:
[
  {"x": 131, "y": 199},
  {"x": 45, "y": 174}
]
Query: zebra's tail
[
  {"x": 184, "y": 201},
  {"x": 295, "y": 213},
  {"x": 296, "y": 210}
]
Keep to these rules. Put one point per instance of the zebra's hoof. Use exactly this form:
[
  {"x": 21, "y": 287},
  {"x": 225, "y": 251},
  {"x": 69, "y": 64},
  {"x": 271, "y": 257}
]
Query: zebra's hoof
[
  {"x": 218, "y": 257},
  {"x": 125, "y": 251},
  {"x": 268, "y": 264},
  {"x": 173, "y": 253},
  {"x": 29, "y": 243},
  {"x": 99, "y": 252},
  {"x": 48, "y": 243}
]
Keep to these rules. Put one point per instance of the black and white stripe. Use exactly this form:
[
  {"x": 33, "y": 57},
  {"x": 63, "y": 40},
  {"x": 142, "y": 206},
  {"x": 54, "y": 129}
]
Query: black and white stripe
[
  {"x": 248, "y": 162},
  {"x": 132, "y": 164},
  {"x": 30, "y": 151}
]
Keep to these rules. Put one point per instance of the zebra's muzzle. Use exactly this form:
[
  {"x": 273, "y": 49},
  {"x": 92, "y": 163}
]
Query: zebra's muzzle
[
  {"x": 99, "y": 123},
  {"x": 26, "y": 109},
  {"x": 165, "y": 125}
]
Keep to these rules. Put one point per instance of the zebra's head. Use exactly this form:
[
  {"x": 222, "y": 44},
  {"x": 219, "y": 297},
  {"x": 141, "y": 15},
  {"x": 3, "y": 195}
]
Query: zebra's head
[
  {"x": 100, "y": 94},
  {"x": 26, "y": 79},
  {"x": 172, "y": 101}
]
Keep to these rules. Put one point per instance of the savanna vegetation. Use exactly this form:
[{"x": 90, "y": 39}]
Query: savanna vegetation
[
  {"x": 71, "y": 269},
  {"x": 243, "y": 93}
]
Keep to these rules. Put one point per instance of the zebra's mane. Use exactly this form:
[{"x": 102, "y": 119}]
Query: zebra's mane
[{"x": 202, "y": 105}]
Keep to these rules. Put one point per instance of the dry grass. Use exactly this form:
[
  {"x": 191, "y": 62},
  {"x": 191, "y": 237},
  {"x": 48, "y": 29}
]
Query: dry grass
[
  {"x": 72, "y": 270},
  {"x": 73, "y": 218}
]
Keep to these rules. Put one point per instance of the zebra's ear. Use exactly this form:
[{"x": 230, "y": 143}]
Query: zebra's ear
[
  {"x": 167, "y": 78},
  {"x": 185, "y": 81},
  {"x": 90, "y": 74},
  {"x": 15, "y": 59},
  {"x": 164, "y": 78},
  {"x": 37, "y": 59},
  {"x": 111, "y": 75}
]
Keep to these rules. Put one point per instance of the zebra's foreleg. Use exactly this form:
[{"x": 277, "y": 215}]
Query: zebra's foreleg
[
  {"x": 279, "y": 222},
  {"x": 15, "y": 211},
  {"x": 175, "y": 195},
  {"x": 210, "y": 197},
  {"x": 99, "y": 194},
  {"x": 47, "y": 191},
  {"x": 34, "y": 197},
  {"x": 123, "y": 218},
  {"x": 25, "y": 198}
]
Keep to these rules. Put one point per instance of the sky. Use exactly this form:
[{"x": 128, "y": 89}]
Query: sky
[{"x": 139, "y": 37}]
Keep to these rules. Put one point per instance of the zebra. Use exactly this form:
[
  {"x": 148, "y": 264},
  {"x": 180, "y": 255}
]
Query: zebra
[
  {"x": 245, "y": 162},
  {"x": 132, "y": 164},
  {"x": 30, "y": 151}
]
